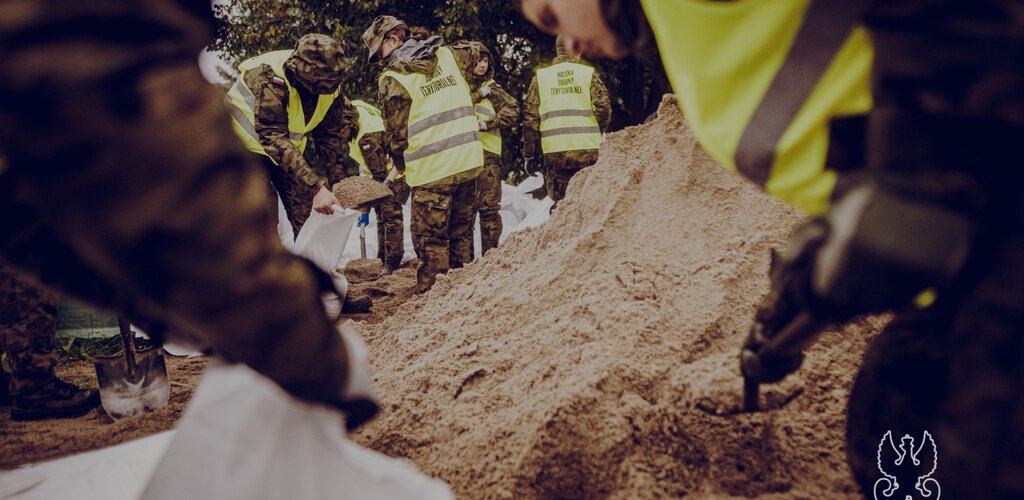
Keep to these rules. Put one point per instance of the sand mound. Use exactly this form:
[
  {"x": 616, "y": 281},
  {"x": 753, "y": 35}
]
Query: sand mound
[{"x": 596, "y": 355}]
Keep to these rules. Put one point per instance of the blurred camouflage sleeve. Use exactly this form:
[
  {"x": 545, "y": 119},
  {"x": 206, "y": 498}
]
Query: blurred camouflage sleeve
[
  {"x": 395, "y": 106},
  {"x": 531, "y": 120},
  {"x": 602, "y": 102},
  {"x": 506, "y": 109},
  {"x": 162, "y": 213},
  {"x": 331, "y": 138},
  {"x": 372, "y": 146},
  {"x": 271, "y": 114}
]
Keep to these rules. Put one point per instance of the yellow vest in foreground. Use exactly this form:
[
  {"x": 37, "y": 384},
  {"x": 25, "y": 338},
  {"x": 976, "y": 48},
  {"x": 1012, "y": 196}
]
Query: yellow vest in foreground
[
  {"x": 491, "y": 139},
  {"x": 567, "y": 120},
  {"x": 370, "y": 121},
  {"x": 240, "y": 102},
  {"x": 722, "y": 57},
  {"x": 444, "y": 136}
]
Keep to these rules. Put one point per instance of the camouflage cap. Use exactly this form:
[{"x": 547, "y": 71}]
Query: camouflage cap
[
  {"x": 373, "y": 37},
  {"x": 317, "y": 62}
]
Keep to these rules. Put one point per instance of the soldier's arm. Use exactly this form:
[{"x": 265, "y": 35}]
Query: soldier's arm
[
  {"x": 396, "y": 105},
  {"x": 602, "y": 102},
  {"x": 506, "y": 109},
  {"x": 271, "y": 113},
  {"x": 332, "y": 136},
  {"x": 372, "y": 146},
  {"x": 531, "y": 120}
]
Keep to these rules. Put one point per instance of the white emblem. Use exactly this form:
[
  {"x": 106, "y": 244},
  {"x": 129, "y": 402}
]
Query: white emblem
[{"x": 895, "y": 467}]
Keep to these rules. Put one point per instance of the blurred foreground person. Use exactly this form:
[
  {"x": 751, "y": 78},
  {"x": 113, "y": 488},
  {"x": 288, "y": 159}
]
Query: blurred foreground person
[{"x": 126, "y": 187}]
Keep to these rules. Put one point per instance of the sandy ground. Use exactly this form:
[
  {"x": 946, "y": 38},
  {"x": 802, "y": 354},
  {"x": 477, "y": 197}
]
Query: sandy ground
[
  {"x": 596, "y": 356},
  {"x": 30, "y": 442}
]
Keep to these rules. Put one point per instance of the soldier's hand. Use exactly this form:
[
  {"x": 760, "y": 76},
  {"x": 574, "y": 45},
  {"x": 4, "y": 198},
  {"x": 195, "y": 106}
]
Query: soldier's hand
[
  {"x": 324, "y": 201},
  {"x": 364, "y": 220},
  {"x": 359, "y": 398},
  {"x": 484, "y": 91}
]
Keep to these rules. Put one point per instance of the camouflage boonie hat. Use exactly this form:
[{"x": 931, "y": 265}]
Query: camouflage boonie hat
[
  {"x": 373, "y": 37},
  {"x": 320, "y": 54}
]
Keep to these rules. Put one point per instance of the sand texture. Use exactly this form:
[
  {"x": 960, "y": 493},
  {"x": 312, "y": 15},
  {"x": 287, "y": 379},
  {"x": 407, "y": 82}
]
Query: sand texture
[{"x": 359, "y": 192}]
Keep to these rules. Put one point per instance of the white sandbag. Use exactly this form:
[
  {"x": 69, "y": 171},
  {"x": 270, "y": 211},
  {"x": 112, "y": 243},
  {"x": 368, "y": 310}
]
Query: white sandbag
[
  {"x": 322, "y": 240},
  {"x": 242, "y": 437}
]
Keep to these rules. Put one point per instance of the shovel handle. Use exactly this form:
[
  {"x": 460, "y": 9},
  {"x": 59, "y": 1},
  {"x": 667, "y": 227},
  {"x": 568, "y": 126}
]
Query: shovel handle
[{"x": 128, "y": 341}]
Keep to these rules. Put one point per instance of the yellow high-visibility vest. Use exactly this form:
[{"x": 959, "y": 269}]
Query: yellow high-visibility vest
[
  {"x": 567, "y": 119},
  {"x": 728, "y": 61},
  {"x": 370, "y": 121},
  {"x": 491, "y": 139},
  {"x": 240, "y": 102},
  {"x": 444, "y": 136}
]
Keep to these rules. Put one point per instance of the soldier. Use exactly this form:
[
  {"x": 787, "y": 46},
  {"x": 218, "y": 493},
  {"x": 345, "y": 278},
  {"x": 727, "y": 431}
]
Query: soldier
[
  {"x": 900, "y": 123},
  {"x": 281, "y": 100},
  {"x": 433, "y": 137},
  {"x": 28, "y": 329},
  {"x": 566, "y": 109},
  {"x": 368, "y": 149},
  {"x": 496, "y": 110},
  {"x": 126, "y": 187}
]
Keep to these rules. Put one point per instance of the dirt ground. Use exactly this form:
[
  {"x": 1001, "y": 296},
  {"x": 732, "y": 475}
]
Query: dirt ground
[
  {"x": 30, "y": 442},
  {"x": 596, "y": 356}
]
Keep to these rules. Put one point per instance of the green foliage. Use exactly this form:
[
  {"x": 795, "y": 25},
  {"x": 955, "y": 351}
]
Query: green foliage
[{"x": 251, "y": 27}]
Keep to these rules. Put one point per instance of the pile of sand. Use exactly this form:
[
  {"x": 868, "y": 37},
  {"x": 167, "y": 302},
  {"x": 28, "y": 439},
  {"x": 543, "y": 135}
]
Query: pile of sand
[{"x": 596, "y": 355}]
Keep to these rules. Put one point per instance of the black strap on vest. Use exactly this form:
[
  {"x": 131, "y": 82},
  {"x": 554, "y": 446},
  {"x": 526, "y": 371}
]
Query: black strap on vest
[{"x": 825, "y": 28}]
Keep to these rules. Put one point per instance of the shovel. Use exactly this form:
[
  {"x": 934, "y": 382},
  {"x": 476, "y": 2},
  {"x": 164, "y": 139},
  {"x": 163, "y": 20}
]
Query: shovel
[{"x": 135, "y": 383}]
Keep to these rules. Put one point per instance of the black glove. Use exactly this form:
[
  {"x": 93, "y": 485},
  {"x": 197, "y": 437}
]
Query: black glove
[{"x": 875, "y": 250}]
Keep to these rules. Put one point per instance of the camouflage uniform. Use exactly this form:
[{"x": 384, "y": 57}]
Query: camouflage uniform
[
  {"x": 560, "y": 167},
  {"x": 489, "y": 183},
  {"x": 127, "y": 187},
  {"x": 390, "y": 225},
  {"x": 28, "y": 327},
  {"x": 442, "y": 211},
  {"x": 294, "y": 178}
]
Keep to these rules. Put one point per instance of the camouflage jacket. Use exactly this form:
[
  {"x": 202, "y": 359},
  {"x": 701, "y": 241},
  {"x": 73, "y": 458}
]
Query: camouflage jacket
[
  {"x": 375, "y": 155},
  {"x": 329, "y": 138},
  {"x": 396, "y": 102},
  {"x": 506, "y": 108},
  {"x": 531, "y": 117}
]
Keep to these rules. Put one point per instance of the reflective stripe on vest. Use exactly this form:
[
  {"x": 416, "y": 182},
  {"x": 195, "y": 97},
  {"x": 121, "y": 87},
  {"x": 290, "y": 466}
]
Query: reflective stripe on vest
[
  {"x": 444, "y": 136},
  {"x": 241, "y": 102},
  {"x": 567, "y": 120},
  {"x": 760, "y": 82},
  {"x": 491, "y": 139},
  {"x": 370, "y": 121}
]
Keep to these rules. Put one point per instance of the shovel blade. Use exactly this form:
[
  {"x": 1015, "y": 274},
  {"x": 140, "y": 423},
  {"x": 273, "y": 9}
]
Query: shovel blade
[{"x": 124, "y": 394}]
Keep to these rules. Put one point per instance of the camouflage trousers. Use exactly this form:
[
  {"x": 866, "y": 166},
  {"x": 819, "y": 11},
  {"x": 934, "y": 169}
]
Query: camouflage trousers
[
  {"x": 296, "y": 198},
  {"x": 488, "y": 193},
  {"x": 559, "y": 169},
  {"x": 442, "y": 227},
  {"x": 28, "y": 328},
  {"x": 391, "y": 226}
]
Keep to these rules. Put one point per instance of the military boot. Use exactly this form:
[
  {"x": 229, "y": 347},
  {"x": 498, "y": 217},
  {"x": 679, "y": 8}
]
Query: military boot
[
  {"x": 58, "y": 399},
  {"x": 356, "y": 304},
  {"x": 390, "y": 266}
]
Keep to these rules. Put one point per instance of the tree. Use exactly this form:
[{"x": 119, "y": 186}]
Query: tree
[{"x": 251, "y": 27}]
